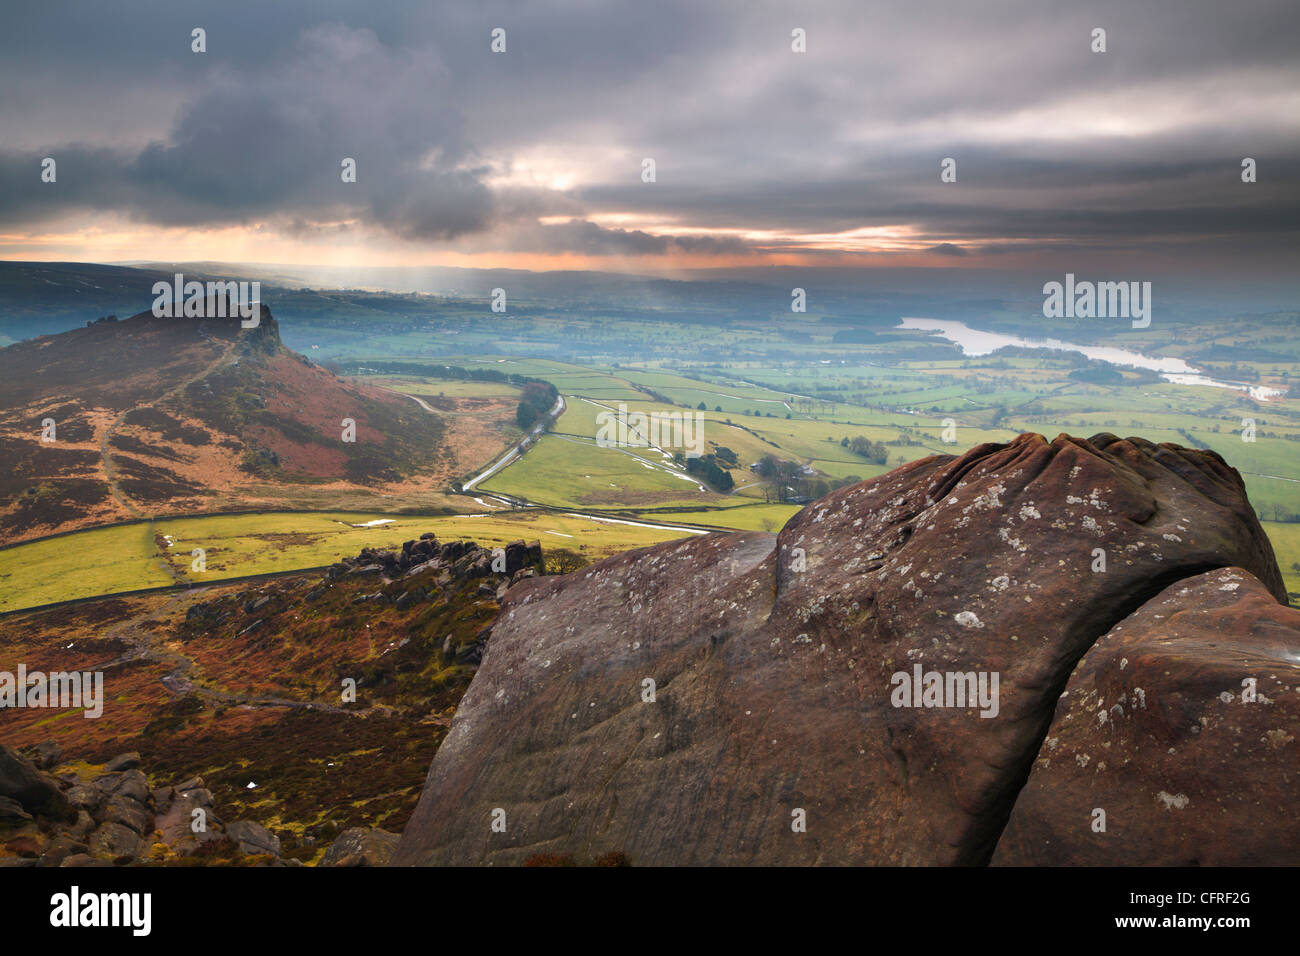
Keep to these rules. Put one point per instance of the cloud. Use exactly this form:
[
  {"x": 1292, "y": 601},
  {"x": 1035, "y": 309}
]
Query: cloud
[
  {"x": 538, "y": 150},
  {"x": 589, "y": 238},
  {"x": 268, "y": 145}
]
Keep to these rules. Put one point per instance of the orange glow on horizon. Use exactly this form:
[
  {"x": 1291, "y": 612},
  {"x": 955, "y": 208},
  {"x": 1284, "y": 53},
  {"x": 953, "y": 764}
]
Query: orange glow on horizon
[{"x": 892, "y": 246}]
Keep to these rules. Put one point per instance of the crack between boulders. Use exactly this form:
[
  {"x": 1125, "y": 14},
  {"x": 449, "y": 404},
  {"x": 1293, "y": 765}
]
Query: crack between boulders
[{"x": 981, "y": 850}]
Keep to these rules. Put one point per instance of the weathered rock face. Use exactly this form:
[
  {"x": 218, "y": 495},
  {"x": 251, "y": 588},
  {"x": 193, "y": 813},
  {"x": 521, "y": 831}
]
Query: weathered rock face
[
  {"x": 1179, "y": 725},
  {"x": 773, "y": 661}
]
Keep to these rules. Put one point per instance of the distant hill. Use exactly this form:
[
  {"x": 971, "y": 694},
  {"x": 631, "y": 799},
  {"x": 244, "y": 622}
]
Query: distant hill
[
  {"x": 174, "y": 415},
  {"x": 42, "y": 298}
]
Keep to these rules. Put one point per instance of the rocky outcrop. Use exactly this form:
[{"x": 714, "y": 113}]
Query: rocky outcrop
[
  {"x": 455, "y": 560},
  {"x": 1174, "y": 743},
  {"x": 801, "y": 698},
  {"x": 417, "y": 574},
  {"x": 113, "y": 818}
]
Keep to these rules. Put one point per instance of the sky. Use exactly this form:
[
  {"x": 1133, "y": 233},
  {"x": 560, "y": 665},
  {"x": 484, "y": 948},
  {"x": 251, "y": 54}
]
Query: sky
[{"x": 533, "y": 158}]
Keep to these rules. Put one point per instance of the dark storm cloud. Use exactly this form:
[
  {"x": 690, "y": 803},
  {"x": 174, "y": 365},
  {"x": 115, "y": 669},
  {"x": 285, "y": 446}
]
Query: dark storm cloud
[
  {"x": 1054, "y": 143},
  {"x": 269, "y": 143}
]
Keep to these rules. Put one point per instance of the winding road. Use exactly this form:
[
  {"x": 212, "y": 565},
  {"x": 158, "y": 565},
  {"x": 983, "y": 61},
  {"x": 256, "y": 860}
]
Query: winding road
[{"x": 520, "y": 448}]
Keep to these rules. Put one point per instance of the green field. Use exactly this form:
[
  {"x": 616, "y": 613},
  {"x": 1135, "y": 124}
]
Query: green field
[
  {"x": 561, "y": 471},
  {"x": 770, "y": 384},
  {"x": 98, "y": 561},
  {"x": 1286, "y": 546},
  {"x": 124, "y": 558},
  {"x": 747, "y": 517},
  {"x": 804, "y": 411},
  {"x": 427, "y": 389}
]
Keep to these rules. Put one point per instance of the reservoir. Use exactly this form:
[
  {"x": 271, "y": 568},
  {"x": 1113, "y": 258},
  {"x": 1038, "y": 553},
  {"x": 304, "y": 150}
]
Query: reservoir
[{"x": 975, "y": 342}]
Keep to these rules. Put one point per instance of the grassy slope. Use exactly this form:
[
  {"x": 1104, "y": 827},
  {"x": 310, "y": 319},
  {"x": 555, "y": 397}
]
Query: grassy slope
[{"x": 123, "y": 558}]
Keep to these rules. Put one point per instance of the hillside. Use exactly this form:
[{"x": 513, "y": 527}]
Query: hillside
[
  {"x": 308, "y": 704},
  {"x": 168, "y": 416}
]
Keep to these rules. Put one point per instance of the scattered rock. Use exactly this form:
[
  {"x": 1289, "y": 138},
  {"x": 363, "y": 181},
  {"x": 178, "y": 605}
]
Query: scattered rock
[
  {"x": 128, "y": 783},
  {"x": 253, "y": 838},
  {"x": 60, "y": 848},
  {"x": 12, "y": 813},
  {"x": 85, "y": 797},
  {"x": 162, "y": 798},
  {"x": 81, "y": 829},
  {"x": 130, "y": 813},
  {"x": 47, "y": 755},
  {"x": 176, "y": 826},
  {"x": 37, "y": 792},
  {"x": 126, "y": 761},
  {"x": 113, "y": 840},
  {"x": 360, "y": 846},
  {"x": 25, "y": 846}
]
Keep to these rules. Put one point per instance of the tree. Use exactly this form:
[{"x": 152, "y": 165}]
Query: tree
[
  {"x": 535, "y": 401},
  {"x": 873, "y": 451},
  {"x": 563, "y": 561},
  {"x": 781, "y": 475},
  {"x": 706, "y": 468}
]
